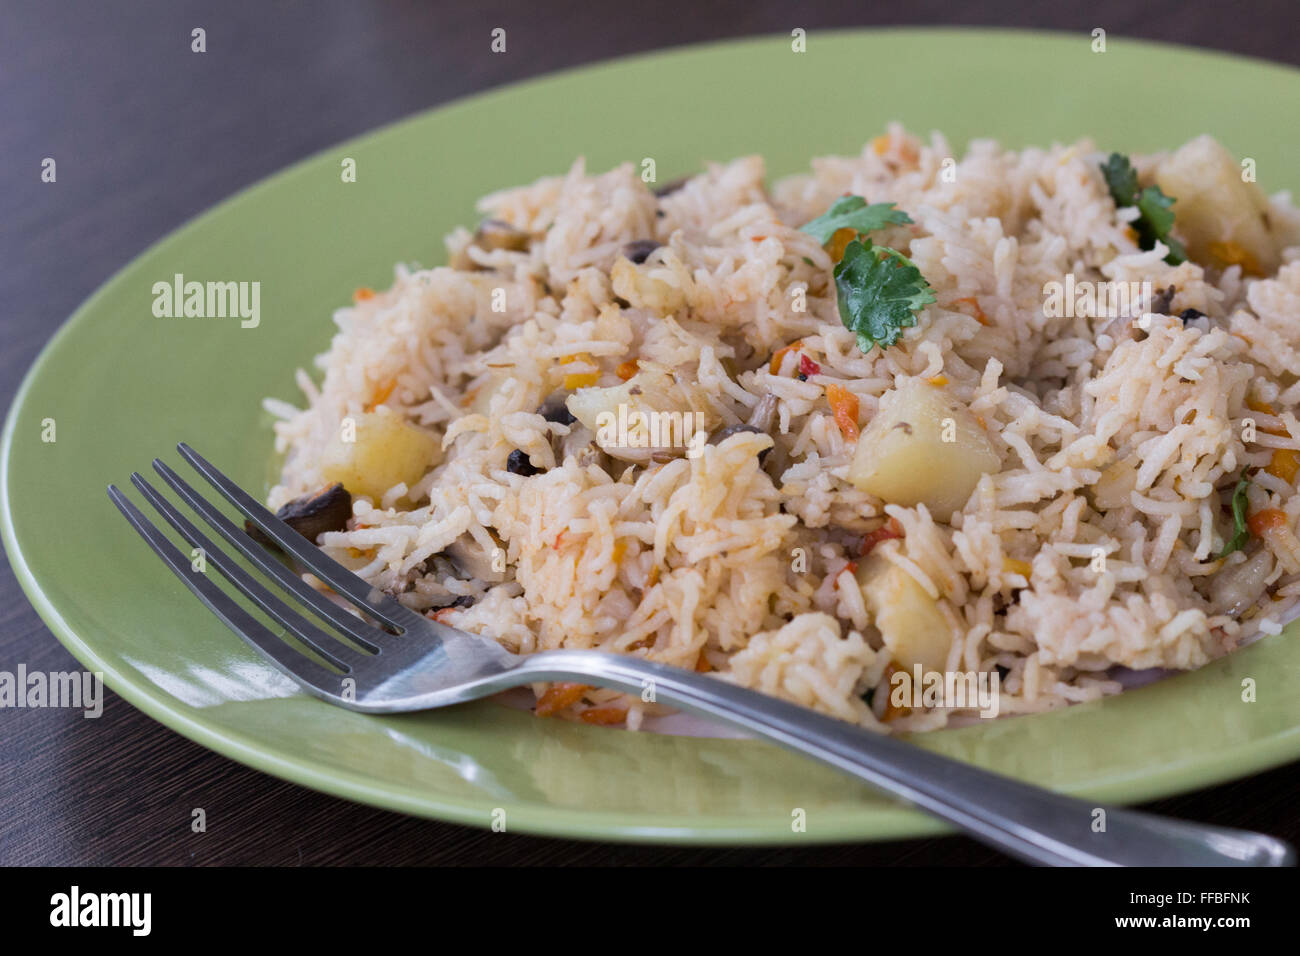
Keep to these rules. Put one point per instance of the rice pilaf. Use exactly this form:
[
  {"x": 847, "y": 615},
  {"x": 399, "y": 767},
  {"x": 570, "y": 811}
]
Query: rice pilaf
[{"x": 760, "y": 550}]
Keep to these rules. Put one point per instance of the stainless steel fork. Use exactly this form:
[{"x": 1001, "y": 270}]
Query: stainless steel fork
[{"x": 406, "y": 662}]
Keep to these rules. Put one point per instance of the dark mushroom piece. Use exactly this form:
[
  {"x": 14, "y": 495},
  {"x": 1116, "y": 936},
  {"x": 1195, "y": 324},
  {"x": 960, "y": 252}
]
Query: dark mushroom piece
[
  {"x": 519, "y": 464},
  {"x": 1119, "y": 330},
  {"x": 555, "y": 410},
  {"x": 668, "y": 188},
  {"x": 639, "y": 250},
  {"x": 1163, "y": 300},
  {"x": 1191, "y": 315},
  {"x": 471, "y": 561},
  {"x": 760, "y": 423},
  {"x": 579, "y": 442},
  {"x": 493, "y": 234},
  {"x": 463, "y": 600},
  {"x": 718, "y": 437},
  {"x": 311, "y": 515}
]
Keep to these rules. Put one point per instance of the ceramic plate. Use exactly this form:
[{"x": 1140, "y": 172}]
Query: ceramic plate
[{"x": 123, "y": 386}]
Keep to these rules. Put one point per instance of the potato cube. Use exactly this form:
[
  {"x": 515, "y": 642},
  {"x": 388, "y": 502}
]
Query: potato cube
[
  {"x": 385, "y": 450},
  {"x": 914, "y": 629},
  {"x": 1218, "y": 215},
  {"x": 923, "y": 447}
]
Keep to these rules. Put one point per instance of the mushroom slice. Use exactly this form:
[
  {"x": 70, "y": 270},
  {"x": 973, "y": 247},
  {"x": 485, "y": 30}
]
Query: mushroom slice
[
  {"x": 493, "y": 234},
  {"x": 490, "y": 236},
  {"x": 311, "y": 515},
  {"x": 471, "y": 560}
]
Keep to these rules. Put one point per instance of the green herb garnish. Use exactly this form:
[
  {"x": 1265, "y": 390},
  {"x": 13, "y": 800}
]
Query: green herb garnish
[
  {"x": 880, "y": 289},
  {"x": 1156, "y": 218},
  {"x": 852, "y": 212},
  {"x": 880, "y": 292},
  {"x": 1239, "y": 505}
]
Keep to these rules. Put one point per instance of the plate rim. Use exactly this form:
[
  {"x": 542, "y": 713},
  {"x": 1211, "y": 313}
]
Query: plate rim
[{"x": 892, "y": 822}]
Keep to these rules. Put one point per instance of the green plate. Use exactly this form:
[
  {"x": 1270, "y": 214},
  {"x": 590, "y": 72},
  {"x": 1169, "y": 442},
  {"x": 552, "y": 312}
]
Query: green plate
[{"x": 123, "y": 386}]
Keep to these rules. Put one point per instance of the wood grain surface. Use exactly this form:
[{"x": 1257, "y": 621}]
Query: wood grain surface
[{"x": 147, "y": 136}]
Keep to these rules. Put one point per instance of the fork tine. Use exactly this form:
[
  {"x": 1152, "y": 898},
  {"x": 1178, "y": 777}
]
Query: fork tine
[
  {"x": 328, "y": 647},
  {"x": 302, "y": 669},
  {"x": 369, "y": 598},
  {"x": 365, "y": 635}
]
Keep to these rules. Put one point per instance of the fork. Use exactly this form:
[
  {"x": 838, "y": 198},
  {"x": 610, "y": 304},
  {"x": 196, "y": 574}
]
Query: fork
[{"x": 407, "y": 662}]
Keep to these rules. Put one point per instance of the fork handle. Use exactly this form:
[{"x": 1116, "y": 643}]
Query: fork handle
[{"x": 1024, "y": 821}]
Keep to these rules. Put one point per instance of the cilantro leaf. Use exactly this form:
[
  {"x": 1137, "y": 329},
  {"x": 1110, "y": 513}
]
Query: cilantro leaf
[
  {"x": 852, "y": 212},
  {"x": 1156, "y": 218},
  {"x": 880, "y": 291},
  {"x": 1239, "y": 505},
  {"x": 1121, "y": 178}
]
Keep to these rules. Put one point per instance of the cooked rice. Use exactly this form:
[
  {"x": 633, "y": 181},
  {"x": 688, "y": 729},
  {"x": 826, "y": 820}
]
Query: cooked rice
[{"x": 693, "y": 561}]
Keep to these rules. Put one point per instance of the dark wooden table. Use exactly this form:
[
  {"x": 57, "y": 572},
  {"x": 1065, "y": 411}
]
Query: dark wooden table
[{"x": 147, "y": 135}]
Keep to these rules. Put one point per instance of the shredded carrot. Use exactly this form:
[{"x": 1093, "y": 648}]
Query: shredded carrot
[
  {"x": 558, "y": 538},
  {"x": 1016, "y": 566},
  {"x": 604, "y": 716},
  {"x": 907, "y": 152},
  {"x": 579, "y": 379},
  {"x": 363, "y": 294},
  {"x": 702, "y": 665},
  {"x": 887, "y": 688},
  {"x": 440, "y": 615},
  {"x": 381, "y": 395},
  {"x": 1262, "y": 522},
  {"x": 980, "y": 317},
  {"x": 779, "y": 356},
  {"x": 1235, "y": 254},
  {"x": 556, "y": 697},
  {"x": 627, "y": 369},
  {"x": 937, "y": 380},
  {"x": 839, "y": 242},
  {"x": 1255, "y": 405},
  {"x": 757, "y": 238},
  {"x": 844, "y": 405},
  {"x": 1284, "y": 464},
  {"x": 849, "y": 566},
  {"x": 890, "y": 529}
]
